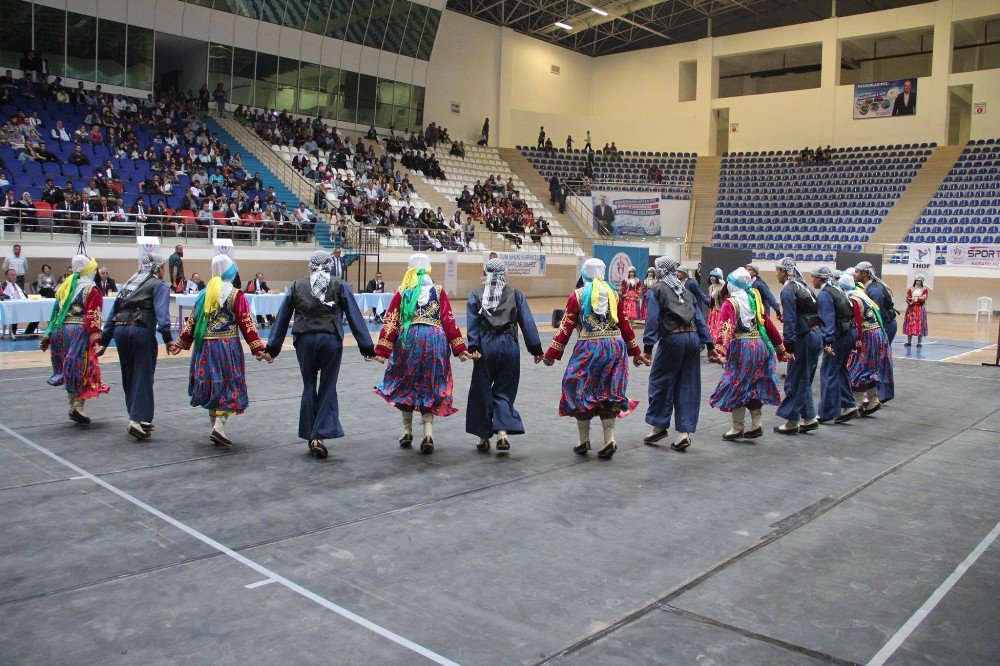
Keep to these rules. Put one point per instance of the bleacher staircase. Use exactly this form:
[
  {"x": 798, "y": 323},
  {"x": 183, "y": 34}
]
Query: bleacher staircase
[
  {"x": 705, "y": 196},
  {"x": 914, "y": 200}
]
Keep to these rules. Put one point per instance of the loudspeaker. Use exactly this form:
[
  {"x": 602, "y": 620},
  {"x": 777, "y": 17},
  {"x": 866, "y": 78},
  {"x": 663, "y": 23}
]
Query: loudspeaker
[{"x": 557, "y": 316}]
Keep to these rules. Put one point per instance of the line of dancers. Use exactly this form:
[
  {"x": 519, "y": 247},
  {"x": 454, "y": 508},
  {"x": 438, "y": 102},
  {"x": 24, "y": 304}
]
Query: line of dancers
[{"x": 848, "y": 322}]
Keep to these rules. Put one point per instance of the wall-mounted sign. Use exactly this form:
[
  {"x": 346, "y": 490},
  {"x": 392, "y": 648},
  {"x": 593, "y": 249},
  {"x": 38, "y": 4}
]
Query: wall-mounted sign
[
  {"x": 734, "y": 128},
  {"x": 456, "y": 108},
  {"x": 979, "y": 108}
]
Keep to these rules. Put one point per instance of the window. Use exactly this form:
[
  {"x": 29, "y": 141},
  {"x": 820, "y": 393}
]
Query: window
[
  {"x": 348, "y": 102},
  {"x": 295, "y": 13},
  {"x": 430, "y": 31},
  {"x": 396, "y": 26},
  {"x": 340, "y": 15},
  {"x": 414, "y": 29},
  {"x": 139, "y": 61},
  {"x": 356, "y": 27},
  {"x": 309, "y": 80},
  {"x": 367, "y": 92},
  {"x": 377, "y": 23},
  {"x": 316, "y": 16},
  {"x": 220, "y": 66},
  {"x": 266, "y": 87},
  {"x": 243, "y": 75},
  {"x": 50, "y": 37},
  {"x": 247, "y": 8},
  {"x": 288, "y": 84},
  {"x": 271, "y": 11},
  {"x": 15, "y": 32},
  {"x": 81, "y": 46},
  {"x": 111, "y": 52}
]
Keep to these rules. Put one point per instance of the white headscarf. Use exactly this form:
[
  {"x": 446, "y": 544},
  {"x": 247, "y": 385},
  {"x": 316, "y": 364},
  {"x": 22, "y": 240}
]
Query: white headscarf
[
  {"x": 594, "y": 268},
  {"x": 737, "y": 284},
  {"x": 422, "y": 261},
  {"x": 496, "y": 280},
  {"x": 220, "y": 265},
  {"x": 86, "y": 279}
]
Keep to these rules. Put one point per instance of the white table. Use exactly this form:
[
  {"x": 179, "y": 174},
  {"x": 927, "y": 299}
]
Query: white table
[
  {"x": 378, "y": 301},
  {"x": 262, "y": 305}
]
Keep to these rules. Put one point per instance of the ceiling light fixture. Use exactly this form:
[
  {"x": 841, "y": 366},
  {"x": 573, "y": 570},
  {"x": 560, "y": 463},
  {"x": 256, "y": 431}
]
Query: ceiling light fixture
[
  {"x": 564, "y": 26},
  {"x": 598, "y": 10}
]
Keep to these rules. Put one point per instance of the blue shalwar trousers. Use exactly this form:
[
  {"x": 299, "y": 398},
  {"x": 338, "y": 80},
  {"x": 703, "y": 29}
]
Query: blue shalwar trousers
[
  {"x": 675, "y": 382},
  {"x": 835, "y": 381},
  {"x": 137, "y": 351},
  {"x": 495, "y": 378},
  {"x": 798, "y": 404},
  {"x": 319, "y": 357}
]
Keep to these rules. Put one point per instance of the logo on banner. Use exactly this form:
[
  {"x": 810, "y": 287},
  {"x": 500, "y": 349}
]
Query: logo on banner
[
  {"x": 922, "y": 258},
  {"x": 618, "y": 268},
  {"x": 966, "y": 254}
]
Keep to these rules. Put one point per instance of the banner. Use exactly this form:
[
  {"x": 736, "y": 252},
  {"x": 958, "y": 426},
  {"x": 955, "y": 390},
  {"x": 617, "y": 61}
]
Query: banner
[
  {"x": 883, "y": 99},
  {"x": 525, "y": 264},
  {"x": 147, "y": 245},
  {"x": 922, "y": 263},
  {"x": 225, "y": 246},
  {"x": 674, "y": 216},
  {"x": 626, "y": 213},
  {"x": 618, "y": 258},
  {"x": 973, "y": 254},
  {"x": 451, "y": 271}
]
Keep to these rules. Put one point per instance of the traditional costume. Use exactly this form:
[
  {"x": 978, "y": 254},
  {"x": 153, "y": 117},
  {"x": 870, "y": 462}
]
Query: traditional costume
[
  {"x": 675, "y": 322},
  {"x": 840, "y": 335},
  {"x": 319, "y": 303},
  {"x": 73, "y": 332},
  {"x": 803, "y": 340},
  {"x": 716, "y": 295},
  {"x": 684, "y": 275},
  {"x": 632, "y": 291},
  {"x": 871, "y": 362},
  {"x": 217, "y": 380},
  {"x": 648, "y": 283},
  {"x": 915, "y": 321},
  {"x": 766, "y": 297},
  {"x": 141, "y": 309},
  {"x": 418, "y": 332},
  {"x": 495, "y": 311},
  {"x": 880, "y": 292},
  {"x": 750, "y": 342},
  {"x": 596, "y": 377}
]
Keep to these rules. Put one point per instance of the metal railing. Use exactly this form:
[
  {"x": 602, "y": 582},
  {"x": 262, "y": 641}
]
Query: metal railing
[{"x": 295, "y": 181}]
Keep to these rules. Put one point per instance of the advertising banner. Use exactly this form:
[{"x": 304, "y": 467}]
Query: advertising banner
[
  {"x": 618, "y": 258},
  {"x": 225, "y": 246},
  {"x": 626, "y": 213},
  {"x": 922, "y": 263},
  {"x": 973, "y": 254},
  {"x": 147, "y": 245},
  {"x": 526, "y": 264},
  {"x": 883, "y": 99},
  {"x": 451, "y": 271}
]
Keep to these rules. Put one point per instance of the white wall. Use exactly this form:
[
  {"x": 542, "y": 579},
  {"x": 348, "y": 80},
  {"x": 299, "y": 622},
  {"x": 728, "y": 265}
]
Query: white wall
[{"x": 632, "y": 98}]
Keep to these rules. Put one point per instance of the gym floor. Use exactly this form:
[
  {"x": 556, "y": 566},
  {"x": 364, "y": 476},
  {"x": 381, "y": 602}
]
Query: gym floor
[{"x": 870, "y": 542}]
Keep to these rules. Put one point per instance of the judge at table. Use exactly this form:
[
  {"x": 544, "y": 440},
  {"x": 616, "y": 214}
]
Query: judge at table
[
  {"x": 13, "y": 292},
  {"x": 195, "y": 285}
]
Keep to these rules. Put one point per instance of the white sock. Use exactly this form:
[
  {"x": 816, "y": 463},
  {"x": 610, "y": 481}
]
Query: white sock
[
  {"x": 220, "y": 421},
  {"x": 134, "y": 424},
  {"x": 872, "y": 394},
  {"x": 502, "y": 434},
  {"x": 755, "y": 418},
  {"x": 608, "y": 425},
  {"x": 428, "y": 419},
  {"x": 809, "y": 422},
  {"x": 738, "y": 415},
  {"x": 407, "y": 423},
  {"x": 584, "y": 428},
  {"x": 681, "y": 436},
  {"x": 790, "y": 425}
]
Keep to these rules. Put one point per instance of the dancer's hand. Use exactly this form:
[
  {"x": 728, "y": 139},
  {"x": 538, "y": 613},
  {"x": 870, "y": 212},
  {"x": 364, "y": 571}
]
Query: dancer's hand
[
  {"x": 715, "y": 357},
  {"x": 465, "y": 356},
  {"x": 99, "y": 350},
  {"x": 44, "y": 344},
  {"x": 264, "y": 356},
  {"x": 369, "y": 359},
  {"x": 174, "y": 349},
  {"x": 538, "y": 359},
  {"x": 379, "y": 359},
  {"x": 789, "y": 357},
  {"x": 548, "y": 361}
]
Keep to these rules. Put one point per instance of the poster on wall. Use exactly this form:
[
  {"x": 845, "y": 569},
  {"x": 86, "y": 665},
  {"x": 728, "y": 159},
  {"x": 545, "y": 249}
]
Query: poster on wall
[
  {"x": 973, "y": 254},
  {"x": 618, "y": 259},
  {"x": 884, "y": 99},
  {"x": 525, "y": 264},
  {"x": 921, "y": 262},
  {"x": 626, "y": 213},
  {"x": 674, "y": 216},
  {"x": 451, "y": 271},
  {"x": 147, "y": 245}
]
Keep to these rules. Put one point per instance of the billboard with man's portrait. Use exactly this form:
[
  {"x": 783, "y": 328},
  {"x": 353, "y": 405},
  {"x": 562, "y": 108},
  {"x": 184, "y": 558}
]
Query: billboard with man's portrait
[{"x": 885, "y": 99}]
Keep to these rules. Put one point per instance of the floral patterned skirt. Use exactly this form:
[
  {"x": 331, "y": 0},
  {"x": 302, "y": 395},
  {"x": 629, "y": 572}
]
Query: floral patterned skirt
[
  {"x": 873, "y": 364},
  {"x": 749, "y": 374},
  {"x": 74, "y": 365},
  {"x": 915, "y": 321},
  {"x": 217, "y": 380},
  {"x": 418, "y": 374},
  {"x": 630, "y": 306},
  {"x": 596, "y": 380},
  {"x": 714, "y": 321}
]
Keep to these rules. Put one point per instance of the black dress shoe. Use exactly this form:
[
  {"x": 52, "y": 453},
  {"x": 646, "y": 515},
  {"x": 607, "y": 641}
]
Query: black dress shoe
[
  {"x": 654, "y": 437},
  {"x": 846, "y": 416},
  {"x": 581, "y": 449},
  {"x": 503, "y": 445},
  {"x": 807, "y": 427},
  {"x": 138, "y": 433},
  {"x": 608, "y": 451},
  {"x": 427, "y": 446},
  {"x": 782, "y": 431},
  {"x": 871, "y": 410},
  {"x": 406, "y": 441},
  {"x": 753, "y": 433},
  {"x": 733, "y": 437},
  {"x": 681, "y": 445},
  {"x": 818, "y": 421},
  {"x": 484, "y": 446},
  {"x": 148, "y": 427},
  {"x": 78, "y": 417},
  {"x": 317, "y": 448}
]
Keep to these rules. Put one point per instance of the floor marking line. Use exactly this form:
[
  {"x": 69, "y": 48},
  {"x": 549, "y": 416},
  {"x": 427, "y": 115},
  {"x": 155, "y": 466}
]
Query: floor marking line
[
  {"x": 904, "y": 632},
  {"x": 222, "y": 548},
  {"x": 971, "y": 351},
  {"x": 260, "y": 583},
  {"x": 77, "y": 478}
]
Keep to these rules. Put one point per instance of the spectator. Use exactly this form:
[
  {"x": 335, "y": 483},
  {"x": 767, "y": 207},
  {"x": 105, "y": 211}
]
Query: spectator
[
  {"x": 569, "y": 143},
  {"x": 46, "y": 284},
  {"x": 541, "y": 137},
  {"x": 195, "y": 285},
  {"x": 77, "y": 158},
  {"x": 175, "y": 265},
  {"x": 59, "y": 133},
  {"x": 105, "y": 283},
  {"x": 13, "y": 291}
]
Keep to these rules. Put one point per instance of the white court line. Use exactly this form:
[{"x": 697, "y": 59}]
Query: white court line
[
  {"x": 260, "y": 583},
  {"x": 225, "y": 550},
  {"x": 971, "y": 351},
  {"x": 904, "y": 632}
]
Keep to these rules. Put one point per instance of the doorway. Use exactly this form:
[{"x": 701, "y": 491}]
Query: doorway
[
  {"x": 959, "y": 114},
  {"x": 180, "y": 63},
  {"x": 720, "y": 134}
]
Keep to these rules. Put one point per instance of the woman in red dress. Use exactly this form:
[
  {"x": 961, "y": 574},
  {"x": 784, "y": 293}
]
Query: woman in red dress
[
  {"x": 915, "y": 321},
  {"x": 632, "y": 292}
]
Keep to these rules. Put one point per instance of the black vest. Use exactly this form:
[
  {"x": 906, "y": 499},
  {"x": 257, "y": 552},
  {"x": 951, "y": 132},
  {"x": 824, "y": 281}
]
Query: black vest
[
  {"x": 805, "y": 303},
  {"x": 843, "y": 310},
  {"x": 503, "y": 319},
  {"x": 311, "y": 315},
  {"x": 673, "y": 312},
  {"x": 138, "y": 306}
]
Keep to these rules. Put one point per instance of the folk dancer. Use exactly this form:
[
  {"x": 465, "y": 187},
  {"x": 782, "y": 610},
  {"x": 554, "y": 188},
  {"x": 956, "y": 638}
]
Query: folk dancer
[
  {"x": 803, "y": 344},
  {"x": 141, "y": 309},
  {"x": 716, "y": 296},
  {"x": 495, "y": 310},
  {"x": 915, "y": 320},
  {"x": 840, "y": 335},
  {"x": 871, "y": 362},
  {"x": 596, "y": 377},
  {"x": 217, "y": 379},
  {"x": 319, "y": 303},
  {"x": 648, "y": 283},
  {"x": 632, "y": 295},
  {"x": 676, "y": 323},
  {"x": 879, "y": 291},
  {"x": 418, "y": 332},
  {"x": 73, "y": 334},
  {"x": 683, "y": 274},
  {"x": 765, "y": 292},
  {"x": 750, "y": 342}
]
